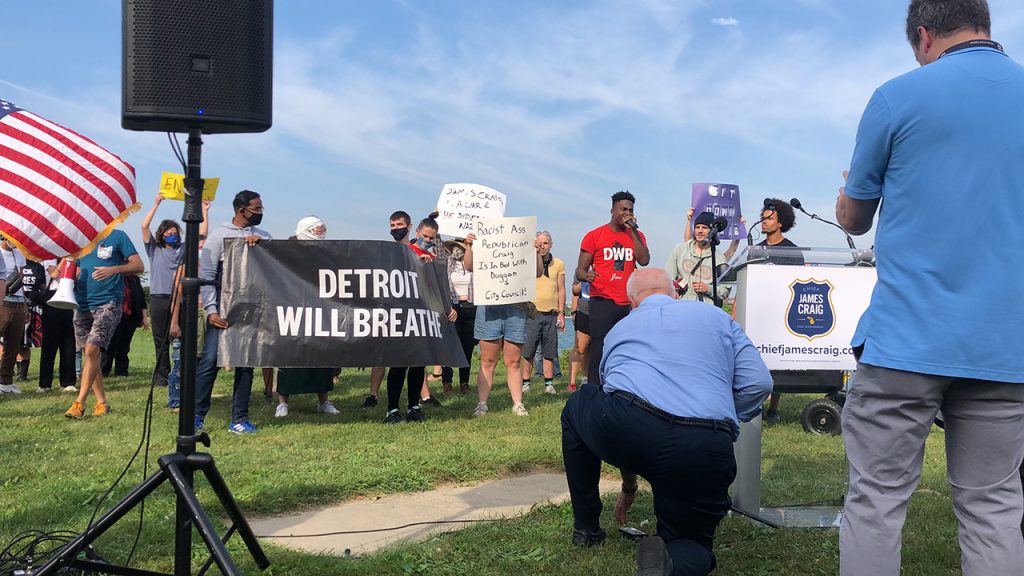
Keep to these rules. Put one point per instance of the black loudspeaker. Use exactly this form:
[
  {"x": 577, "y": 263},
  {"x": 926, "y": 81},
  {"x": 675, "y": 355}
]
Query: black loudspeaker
[{"x": 197, "y": 63}]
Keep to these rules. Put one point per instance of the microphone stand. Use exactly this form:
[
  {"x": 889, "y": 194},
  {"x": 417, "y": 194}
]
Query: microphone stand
[
  {"x": 849, "y": 239},
  {"x": 713, "y": 242}
]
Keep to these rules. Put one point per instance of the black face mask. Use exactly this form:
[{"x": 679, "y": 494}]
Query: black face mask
[
  {"x": 399, "y": 234},
  {"x": 254, "y": 219}
]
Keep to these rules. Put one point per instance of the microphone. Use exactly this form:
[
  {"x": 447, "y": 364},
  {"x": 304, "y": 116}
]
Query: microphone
[
  {"x": 795, "y": 203},
  {"x": 632, "y": 224},
  {"x": 768, "y": 207},
  {"x": 720, "y": 223}
]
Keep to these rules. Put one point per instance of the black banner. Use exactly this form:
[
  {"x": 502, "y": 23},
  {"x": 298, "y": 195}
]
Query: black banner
[{"x": 334, "y": 303}]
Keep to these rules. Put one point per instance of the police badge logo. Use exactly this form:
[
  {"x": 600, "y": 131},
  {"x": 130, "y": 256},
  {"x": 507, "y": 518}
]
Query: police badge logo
[{"x": 810, "y": 314}]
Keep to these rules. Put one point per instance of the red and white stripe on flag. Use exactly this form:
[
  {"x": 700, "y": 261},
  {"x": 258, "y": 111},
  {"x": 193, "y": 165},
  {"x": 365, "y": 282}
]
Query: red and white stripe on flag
[{"x": 60, "y": 192}]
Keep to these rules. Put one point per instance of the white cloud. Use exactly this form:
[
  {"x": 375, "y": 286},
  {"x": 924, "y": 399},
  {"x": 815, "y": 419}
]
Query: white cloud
[{"x": 722, "y": 21}]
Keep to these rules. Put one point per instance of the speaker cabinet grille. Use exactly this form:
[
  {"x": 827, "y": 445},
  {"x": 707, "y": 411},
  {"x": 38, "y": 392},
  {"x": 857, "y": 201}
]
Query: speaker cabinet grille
[{"x": 197, "y": 63}]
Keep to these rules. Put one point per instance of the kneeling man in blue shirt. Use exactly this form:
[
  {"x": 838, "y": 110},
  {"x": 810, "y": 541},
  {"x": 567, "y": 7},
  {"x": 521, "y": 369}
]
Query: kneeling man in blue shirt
[{"x": 678, "y": 378}]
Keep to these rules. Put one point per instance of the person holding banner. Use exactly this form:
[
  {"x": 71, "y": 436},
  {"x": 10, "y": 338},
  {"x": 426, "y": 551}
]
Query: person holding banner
[
  {"x": 306, "y": 380},
  {"x": 248, "y": 213},
  {"x": 608, "y": 256},
  {"x": 412, "y": 376}
]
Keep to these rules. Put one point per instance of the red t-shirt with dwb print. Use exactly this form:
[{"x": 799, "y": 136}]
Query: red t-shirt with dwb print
[{"x": 613, "y": 261}]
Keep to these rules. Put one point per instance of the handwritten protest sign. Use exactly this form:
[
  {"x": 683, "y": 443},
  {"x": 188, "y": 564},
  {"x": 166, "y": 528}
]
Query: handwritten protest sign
[
  {"x": 721, "y": 200},
  {"x": 504, "y": 260},
  {"x": 172, "y": 186},
  {"x": 460, "y": 205}
]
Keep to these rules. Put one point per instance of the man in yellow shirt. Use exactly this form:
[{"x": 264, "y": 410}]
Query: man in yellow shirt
[{"x": 550, "y": 318}]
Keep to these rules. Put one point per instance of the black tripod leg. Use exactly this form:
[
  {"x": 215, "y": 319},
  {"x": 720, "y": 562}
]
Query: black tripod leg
[
  {"x": 71, "y": 550},
  {"x": 220, "y": 488},
  {"x": 202, "y": 522}
]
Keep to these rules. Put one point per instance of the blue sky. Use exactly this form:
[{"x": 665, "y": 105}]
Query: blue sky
[{"x": 379, "y": 103}]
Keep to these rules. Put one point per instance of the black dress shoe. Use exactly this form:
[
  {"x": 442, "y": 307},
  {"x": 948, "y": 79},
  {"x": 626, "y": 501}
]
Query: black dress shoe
[
  {"x": 586, "y": 538},
  {"x": 652, "y": 558}
]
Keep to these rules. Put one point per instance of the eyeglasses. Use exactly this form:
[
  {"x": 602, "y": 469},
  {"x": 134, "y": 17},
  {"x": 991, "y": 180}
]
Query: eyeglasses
[{"x": 255, "y": 210}]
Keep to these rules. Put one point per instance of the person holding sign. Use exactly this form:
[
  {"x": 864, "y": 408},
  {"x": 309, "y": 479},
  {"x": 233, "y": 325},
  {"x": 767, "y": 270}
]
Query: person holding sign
[
  {"x": 608, "y": 256},
  {"x": 501, "y": 329},
  {"x": 689, "y": 265},
  {"x": 248, "y": 214},
  {"x": 306, "y": 380},
  {"x": 165, "y": 250},
  {"x": 412, "y": 376}
]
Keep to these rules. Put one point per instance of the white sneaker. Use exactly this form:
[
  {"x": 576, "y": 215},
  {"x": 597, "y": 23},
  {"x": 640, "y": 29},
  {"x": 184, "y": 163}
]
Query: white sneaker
[
  {"x": 520, "y": 410},
  {"x": 327, "y": 408},
  {"x": 70, "y": 389},
  {"x": 526, "y": 387},
  {"x": 549, "y": 389},
  {"x": 9, "y": 389},
  {"x": 282, "y": 411},
  {"x": 41, "y": 390},
  {"x": 481, "y": 409}
]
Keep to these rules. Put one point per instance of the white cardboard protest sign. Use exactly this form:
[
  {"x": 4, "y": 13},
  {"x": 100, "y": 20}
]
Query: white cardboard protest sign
[
  {"x": 460, "y": 205},
  {"x": 504, "y": 260}
]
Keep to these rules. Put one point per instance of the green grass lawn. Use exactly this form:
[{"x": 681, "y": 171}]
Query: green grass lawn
[{"x": 53, "y": 470}]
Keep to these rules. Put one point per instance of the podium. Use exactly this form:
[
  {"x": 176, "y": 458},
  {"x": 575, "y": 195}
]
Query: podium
[{"x": 801, "y": 318}]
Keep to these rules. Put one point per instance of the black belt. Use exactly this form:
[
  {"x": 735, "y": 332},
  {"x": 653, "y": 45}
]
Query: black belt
[
  {"x": 723, "y": 425},
  {"x": 552, "y": 313}
]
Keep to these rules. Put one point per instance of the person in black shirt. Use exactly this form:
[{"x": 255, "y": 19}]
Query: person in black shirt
[{"x": 774, "y": 224}]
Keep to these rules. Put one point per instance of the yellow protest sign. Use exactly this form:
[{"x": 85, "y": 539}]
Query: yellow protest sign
[{"x": 172, "y": 186}]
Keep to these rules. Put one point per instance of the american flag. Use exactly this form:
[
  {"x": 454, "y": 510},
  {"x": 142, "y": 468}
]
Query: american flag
[{"x": 59, "y": 191}]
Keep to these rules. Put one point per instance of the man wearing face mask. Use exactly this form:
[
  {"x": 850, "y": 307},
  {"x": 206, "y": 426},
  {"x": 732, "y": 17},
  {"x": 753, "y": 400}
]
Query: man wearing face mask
[
  {"x": 400, "y": 222},
  {"x": 248, "y": 213},
  {"x": 424, "y": 245}
]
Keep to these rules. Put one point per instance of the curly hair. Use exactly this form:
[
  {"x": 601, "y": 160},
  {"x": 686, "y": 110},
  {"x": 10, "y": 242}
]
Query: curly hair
[
  {"x": 784, "y": 212},
  {"x": 162, "y": 229}
]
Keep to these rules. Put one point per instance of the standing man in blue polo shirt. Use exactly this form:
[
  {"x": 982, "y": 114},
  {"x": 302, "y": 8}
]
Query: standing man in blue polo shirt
[
  {"x": 678, "y": 377},
  {"x": 943, "y": 328}
]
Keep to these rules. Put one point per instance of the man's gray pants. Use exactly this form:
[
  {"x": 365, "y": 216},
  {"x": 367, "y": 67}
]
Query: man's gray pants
[{"x": 886, "y": 419}]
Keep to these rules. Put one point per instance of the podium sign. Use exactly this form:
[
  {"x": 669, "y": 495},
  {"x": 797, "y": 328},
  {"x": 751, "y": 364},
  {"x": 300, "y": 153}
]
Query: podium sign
[{"x": 803, "y": 317}]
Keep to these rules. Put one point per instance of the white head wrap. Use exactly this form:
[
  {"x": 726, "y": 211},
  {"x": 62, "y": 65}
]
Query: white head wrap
[{"x": 304, "y": 229}]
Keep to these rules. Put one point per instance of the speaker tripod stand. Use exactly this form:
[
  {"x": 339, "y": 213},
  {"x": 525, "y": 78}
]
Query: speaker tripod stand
[{"x": 179, "y": 467}]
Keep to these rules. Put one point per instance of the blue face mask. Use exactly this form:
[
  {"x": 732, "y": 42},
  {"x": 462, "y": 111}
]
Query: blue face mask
[
  {"x": 426, "y": 244},
  {"x": 172, "y": 240}
]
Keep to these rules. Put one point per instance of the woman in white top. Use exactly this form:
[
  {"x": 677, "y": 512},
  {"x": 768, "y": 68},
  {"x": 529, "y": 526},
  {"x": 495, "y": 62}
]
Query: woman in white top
[{"x": 461, "y": 280}]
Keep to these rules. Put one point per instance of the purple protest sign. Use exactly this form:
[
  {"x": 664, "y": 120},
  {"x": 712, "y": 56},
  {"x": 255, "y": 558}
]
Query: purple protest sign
[{"x": 720, "y": 200}]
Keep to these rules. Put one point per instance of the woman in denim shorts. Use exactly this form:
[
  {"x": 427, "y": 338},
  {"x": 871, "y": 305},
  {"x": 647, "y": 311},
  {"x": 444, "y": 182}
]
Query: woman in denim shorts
[{"x": 501, "y": 329}]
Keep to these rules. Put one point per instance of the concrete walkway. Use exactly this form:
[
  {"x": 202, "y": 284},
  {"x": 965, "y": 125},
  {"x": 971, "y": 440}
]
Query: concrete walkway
[{"x": 504, "y": 498}]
